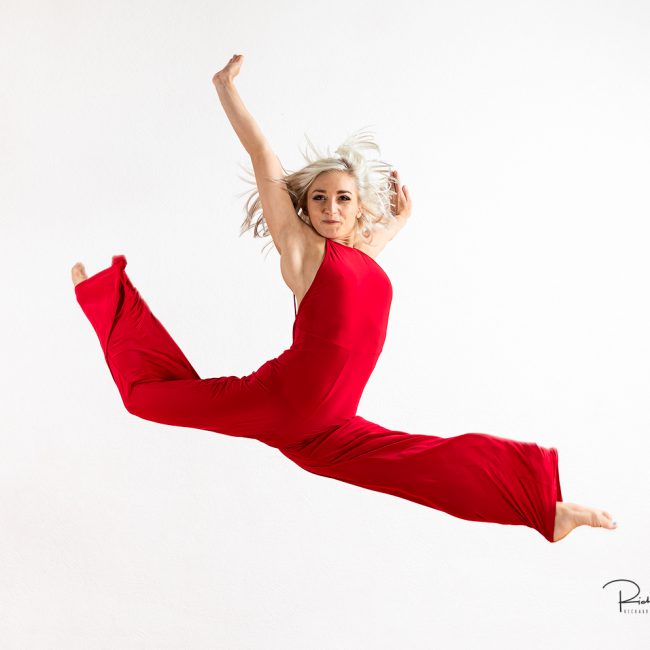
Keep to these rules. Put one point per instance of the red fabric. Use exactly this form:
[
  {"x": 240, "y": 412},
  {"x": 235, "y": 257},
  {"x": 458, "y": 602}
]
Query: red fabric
[{"x": 304, "y": 402}]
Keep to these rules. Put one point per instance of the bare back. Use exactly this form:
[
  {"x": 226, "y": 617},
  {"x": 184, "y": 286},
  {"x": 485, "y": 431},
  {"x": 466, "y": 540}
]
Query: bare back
[{"x": 303, "y": 250}]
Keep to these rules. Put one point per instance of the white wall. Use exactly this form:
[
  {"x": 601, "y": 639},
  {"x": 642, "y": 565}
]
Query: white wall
[{"x": 520, "y": 309}]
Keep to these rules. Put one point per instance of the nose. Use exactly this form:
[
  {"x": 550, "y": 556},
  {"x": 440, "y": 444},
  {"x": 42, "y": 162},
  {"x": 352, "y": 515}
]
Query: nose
[{"x": 330, "y": 207}]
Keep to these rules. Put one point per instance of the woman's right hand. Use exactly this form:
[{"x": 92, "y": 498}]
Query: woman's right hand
[{"x": 229, "y": 71}]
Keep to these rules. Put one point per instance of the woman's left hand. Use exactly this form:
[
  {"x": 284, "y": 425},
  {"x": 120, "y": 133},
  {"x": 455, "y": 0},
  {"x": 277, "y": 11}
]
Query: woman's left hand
[{"x": 401, "y": 204}]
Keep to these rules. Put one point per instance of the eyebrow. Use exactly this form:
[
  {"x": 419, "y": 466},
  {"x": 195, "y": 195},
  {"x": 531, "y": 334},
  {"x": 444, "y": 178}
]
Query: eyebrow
[{"x": 338, "y": 191}]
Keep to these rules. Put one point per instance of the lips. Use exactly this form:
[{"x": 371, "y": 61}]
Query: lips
[{"x": 330, "y": 221}]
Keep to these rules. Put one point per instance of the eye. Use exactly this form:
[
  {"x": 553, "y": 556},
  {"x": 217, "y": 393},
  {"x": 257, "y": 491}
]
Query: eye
[{"x": 320, "y": 196}]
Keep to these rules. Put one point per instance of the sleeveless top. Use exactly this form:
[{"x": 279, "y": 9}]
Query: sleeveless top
[
  {"x": 348, "y": 302},
  {"x": 338, "y": 334}
]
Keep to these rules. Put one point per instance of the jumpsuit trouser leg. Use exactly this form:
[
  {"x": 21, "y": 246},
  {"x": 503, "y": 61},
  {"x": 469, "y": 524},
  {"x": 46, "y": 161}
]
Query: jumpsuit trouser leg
[
  {"x": 473, "y": 476},
  {"x": 155, "y": 379}
]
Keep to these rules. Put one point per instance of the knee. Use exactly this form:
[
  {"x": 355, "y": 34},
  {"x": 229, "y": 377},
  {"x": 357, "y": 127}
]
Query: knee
[{"x": 134, "y": 402}]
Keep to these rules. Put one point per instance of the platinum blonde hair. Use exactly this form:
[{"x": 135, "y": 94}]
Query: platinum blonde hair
[{"x": 372, "y": 178}]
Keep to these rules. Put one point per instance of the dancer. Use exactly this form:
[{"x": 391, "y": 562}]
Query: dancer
[{"x": 328, "y": 221}]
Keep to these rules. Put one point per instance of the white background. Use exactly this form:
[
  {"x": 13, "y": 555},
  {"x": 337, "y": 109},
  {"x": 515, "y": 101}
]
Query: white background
[{"x": 520, "y": 309}]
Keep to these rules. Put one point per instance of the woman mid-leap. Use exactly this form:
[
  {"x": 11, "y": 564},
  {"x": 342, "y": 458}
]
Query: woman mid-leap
[{"x": 328, "y": 221}]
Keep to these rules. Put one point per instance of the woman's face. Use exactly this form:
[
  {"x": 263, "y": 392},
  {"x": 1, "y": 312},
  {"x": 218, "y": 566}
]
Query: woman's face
[{"x": 333, "y": 205}]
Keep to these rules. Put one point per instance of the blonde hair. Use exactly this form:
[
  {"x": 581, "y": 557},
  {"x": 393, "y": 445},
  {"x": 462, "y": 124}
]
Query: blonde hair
[{"x": 372, "y": 177}]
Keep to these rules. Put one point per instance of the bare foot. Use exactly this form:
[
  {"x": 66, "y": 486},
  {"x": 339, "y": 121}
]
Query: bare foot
[
  {"x": 78, "y": 273},
  {"x": 571, "y": 515}
]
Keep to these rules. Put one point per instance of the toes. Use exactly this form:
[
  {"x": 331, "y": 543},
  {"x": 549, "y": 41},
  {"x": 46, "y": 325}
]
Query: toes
[
  {"x": 608, "y": 520},
  {"x": 78, "y": 273}
]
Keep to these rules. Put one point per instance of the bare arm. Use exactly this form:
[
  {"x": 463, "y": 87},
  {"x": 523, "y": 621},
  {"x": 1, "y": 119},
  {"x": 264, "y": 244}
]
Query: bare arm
[
  {"x": 245, "y": 126},
  {"x": 401, "y": 208},
  {"x": 279, "y": 213},
  {"x": 381, "y": 237}
]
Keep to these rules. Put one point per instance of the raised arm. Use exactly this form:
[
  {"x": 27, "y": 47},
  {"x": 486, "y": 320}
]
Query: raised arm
[
  {"x": 401, "y": 207},
  {"x": 279, "y": 213}
]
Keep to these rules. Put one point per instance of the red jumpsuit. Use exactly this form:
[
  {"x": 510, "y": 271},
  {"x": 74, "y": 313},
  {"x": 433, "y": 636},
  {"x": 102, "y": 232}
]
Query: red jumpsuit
[{"x": 304, "y": 402}]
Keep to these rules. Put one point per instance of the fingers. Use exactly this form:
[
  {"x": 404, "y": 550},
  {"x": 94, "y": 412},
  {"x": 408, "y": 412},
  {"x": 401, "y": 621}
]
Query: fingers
[
  {"x": 395, "y": 179},
  {"x": 402, "y": 190},
  {"x": 396, "y": 184},
  {"x": 401, "y": 202}
]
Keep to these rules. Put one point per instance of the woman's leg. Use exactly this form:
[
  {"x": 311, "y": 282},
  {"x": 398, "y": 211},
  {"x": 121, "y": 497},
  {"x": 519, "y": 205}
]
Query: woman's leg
[
  {"x": 155, "y": 379},
  {"x": 473, "y": 476}
]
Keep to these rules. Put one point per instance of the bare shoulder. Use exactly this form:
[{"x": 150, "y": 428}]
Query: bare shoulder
[
  {"x": 372, "y": 249},
  {"x": 380, "y": 237},
  {"x": 302, "y": 250}
]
